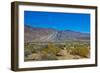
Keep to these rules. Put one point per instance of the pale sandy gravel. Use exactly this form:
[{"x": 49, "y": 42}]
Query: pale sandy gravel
[{"x": 67, "y": 55}]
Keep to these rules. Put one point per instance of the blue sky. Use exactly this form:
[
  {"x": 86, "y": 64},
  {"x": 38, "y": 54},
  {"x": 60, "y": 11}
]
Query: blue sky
[{"x": 59, "y": 21}]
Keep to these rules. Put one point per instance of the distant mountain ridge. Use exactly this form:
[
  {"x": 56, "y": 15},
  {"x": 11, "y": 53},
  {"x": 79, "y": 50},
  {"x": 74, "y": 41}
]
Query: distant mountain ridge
[{"x": 52, "y": 35}]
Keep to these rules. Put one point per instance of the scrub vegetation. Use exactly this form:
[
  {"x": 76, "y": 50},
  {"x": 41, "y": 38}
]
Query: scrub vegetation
[{"x": 56, "y": 50}]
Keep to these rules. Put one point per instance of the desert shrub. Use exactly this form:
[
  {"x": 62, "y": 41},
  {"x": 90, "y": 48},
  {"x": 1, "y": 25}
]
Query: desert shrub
[
  {"x": 27, "y": 52},
  {"x": 34, "y": 47},
  {"x": 29, "y": 49},
  {"x": 48, "y": 56},
  {"x": 81, "y": 50},
  {"x": 51, "y": 57},
  {"x": 50, "y": 52},
  {"x": 51, "y": 48},
  {"x": 84, "y": 52}
]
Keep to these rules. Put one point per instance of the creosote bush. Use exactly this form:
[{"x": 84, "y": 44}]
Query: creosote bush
[
  {"x": 51, "y": 48},
  {"x": 81, "y": 50},
  {"x": 50, "y": 51}
]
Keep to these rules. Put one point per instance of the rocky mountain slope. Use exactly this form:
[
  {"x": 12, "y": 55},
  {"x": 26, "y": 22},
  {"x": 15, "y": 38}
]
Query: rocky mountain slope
[{"x": 52, "y": 35}]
